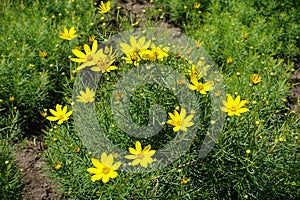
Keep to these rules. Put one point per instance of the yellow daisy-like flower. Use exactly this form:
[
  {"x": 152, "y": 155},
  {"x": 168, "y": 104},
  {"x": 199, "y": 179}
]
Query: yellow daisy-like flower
[
  {"x": 105, "y": 169},
  {"x": 229, "y": 60},
  {"x": 104, "y": 7},
  {"x": 203, "y": 88},
  {"x": 57, "y": 166},
  {"x": 92, "y": 38},
  {"x": 60, "y": 114},
  {"x": 156, "y": 53},
  {"x": 234, "y": 106},
  {"x": 184, "y": 180},
  {"x": 139, "y": 156},
  {"x": 68, "y": 35},
  {"x": 87, "y": 59},
  {"x": 135, "y": 45},
  {"x": 105, "y": 60},
  {"x": 43, "y": 54},
  {"x": 86, "y": 97},
  {"x": 180, "y": 121},
  {"x": 255, "y": 78},
  {"x": 196, "y": 5}
]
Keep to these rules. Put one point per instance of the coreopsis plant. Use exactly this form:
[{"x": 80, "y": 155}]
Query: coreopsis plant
[
  {"x": 141, "y": 156},
  {"x": 68, "y": 34},
  {"x": 234, "y": 106},
  {"x": 180, "y": 121},
  {"x": 60, "y": 114},
  {"x": 104, "y": 170}
]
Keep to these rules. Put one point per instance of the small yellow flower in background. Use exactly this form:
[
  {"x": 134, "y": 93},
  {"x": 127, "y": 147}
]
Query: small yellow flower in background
[
  {"x": 54, "y": 139},
  {"x": 105, "y": 169},
  {"x": 57, "y": 166},
  {"x": 11, "y": 98},
  {"x": 184, "y": 180},
  {"x": 44, "y": 113},
  {"x": 180, "y": 121},
  {"x": 77, "y": 149},
  {"x": 60, "y": 114},
  {"x": 245, "y": 36},
  {"x": 87, "y": 59},
  {"x": 104, "y": 7},
  {"x": 203, "y": 88},
  {"x": 68, "y": 35},
  {"x": 86, "y": 97},
  {"x": 255, "y": 78},
  {"x": 139, "y": 156},
  {"x": 43, "y": 54},
  {"x": 92, "y": 38},
  {"x": 229, "y": 60},
  {"x": 234, "y": 106},
  {"x": 196, "y": 5},
  {"x": 248, "y": 151},
  {"x": 185, "y": 7}
]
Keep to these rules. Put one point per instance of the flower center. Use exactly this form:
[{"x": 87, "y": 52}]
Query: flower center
[
  {"x": 61, "y": 117},
  {"x": 200, "y": 87},
  {"x": 105, "y": 170},
  {"x": 89, "y": 58},
  {"x": 140, "y": 156}
]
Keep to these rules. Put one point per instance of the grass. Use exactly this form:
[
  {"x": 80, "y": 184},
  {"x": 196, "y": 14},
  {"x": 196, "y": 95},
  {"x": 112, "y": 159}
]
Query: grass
[{"x": 257, "y": 154}]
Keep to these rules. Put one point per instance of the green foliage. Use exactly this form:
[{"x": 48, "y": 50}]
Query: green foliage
[{"x": 10, "y": 182}]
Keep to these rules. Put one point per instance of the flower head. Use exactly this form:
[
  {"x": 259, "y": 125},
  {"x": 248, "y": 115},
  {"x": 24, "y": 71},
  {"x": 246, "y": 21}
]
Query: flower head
[
  {"x": 255, "y": 78},
  {"x": 43, "y": 54},
  {"x": 139, "y": 156},
  {"x": 60, "y": 114},
  {"x": 180, "y": 121},
  {"x": 87, "y": 59},
  {"x": 196, "y": 5},
  {"x": 68, "y": 35},
  {"x": 105, "y": 59},
  {"x": 203, "y": 88},
  {"x": 57, "y": 166},
  {"x": 229, "y": 60},
  {"x": 86, "y": 97},
  {"x": 105, "y": 169},
  {"x": 135, "y": 45},
  {"x": 11, "y": 98},
  {"x": 156, "y": 53},
  {"x": 184, "y": 180},
  {"x": 234, "y": 106},
  {"x": 104, "y": 7}
]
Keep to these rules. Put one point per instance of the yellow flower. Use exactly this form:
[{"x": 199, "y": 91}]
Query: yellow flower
[
  {"x": 196, "y": 5},
  {"x": 200, "y": 70},
  {"x": 92, "y": 38},
  {"x": 105, "y": 169},
  {"x": 77, "y": 149},
  {"x": 87, "y": 59},
  {"x": 43, "y": 54},
  {"x": 105, "y": 61},
  {"x": 104, "y": 7},
  {"x": 87, "y": 96},
  {"x": 57, "y": 166},
  {"x": 68, "y": 35},
  {"x": 255, "y": 78},
  {"x": 184, "y": 180},
  {"x": 203, "y": 88},
  {"x": 60, "y": 114},
  {"x": 229, "y": 60},
  {"x": 139, "y": 156},
  {"x": 156, "y": 53},
  {"x": 44, "y": 113},
  {"x": 245, "y": 36},
  {"x": 135, "y": 45},
  {"x": 180, "y": 121},
  {"x": 11, "y": 98},
  {"x": 234, "y": 107}
]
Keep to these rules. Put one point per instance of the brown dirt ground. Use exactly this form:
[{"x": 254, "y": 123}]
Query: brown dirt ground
[{"x": 38, "y": 186}]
